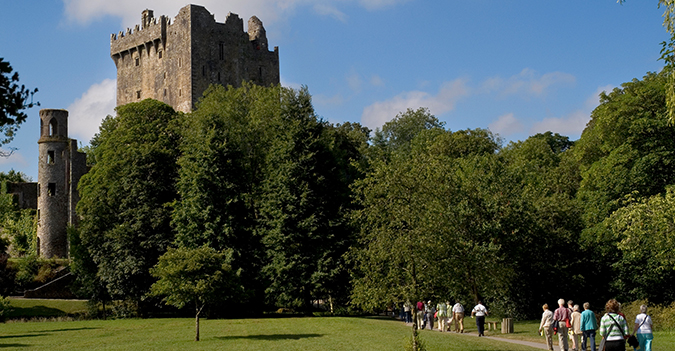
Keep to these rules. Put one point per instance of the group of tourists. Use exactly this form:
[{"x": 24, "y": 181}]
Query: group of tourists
[
  {"x": 449, "y": 317},
  {"x": 573, "y": 326}
]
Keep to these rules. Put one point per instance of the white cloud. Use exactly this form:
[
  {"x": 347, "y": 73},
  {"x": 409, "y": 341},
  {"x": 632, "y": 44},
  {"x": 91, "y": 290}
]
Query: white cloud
[
  {"x": 506, "y": 125},
  {"x": 328, "y": 10},
  {"x": 378, "y": 4},
  {"x": 376, "y": 81},
  {"x": 375, "y": 115},
  {"x": 573, "y": 123},
  {"x": 16, "y": 161},
  {"x": 354, "y": 81},
  {"x": 86, "y": 113},
  {"x": 526, "y": 83},
  {"x": 269, "y": 11}
]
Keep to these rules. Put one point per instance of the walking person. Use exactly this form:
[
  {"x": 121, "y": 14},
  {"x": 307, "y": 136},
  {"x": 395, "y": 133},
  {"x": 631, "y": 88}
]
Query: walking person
[
  {"x": 406, "y": 311},
  {"x": 429, "y": 310},
  {"x": 546, "y": 326},
  {"x": 613, "y": 327},
  {"x": 419, "y": 315},
  {"x": 480, "y": 312},
  {"x": 442, "y": 314},
  {"x": 643, "y": 329},
  {"x": 562, "y": 316},
  {"x": 458, "y": 317},
  {"x": 588, "y": 326},
  {"x": 575, "y": 332}
]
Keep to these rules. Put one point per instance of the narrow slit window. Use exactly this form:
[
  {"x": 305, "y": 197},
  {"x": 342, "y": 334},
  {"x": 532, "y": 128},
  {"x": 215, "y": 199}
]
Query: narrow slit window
[
  {"x": 51, "y": 189},
  {"x": 138, "y": 61},
  {"x": 159, "y": 54},
  {"x": 138, "y": 94},
  {"x": 221, "y": 50},
  {"x": 50, "y": 157}
]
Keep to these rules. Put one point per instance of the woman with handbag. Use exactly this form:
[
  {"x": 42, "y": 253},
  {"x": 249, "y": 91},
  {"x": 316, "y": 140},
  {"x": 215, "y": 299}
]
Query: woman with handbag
[
  {"x": 613, "y": 328},
  {"x": 643, "y": 329}
]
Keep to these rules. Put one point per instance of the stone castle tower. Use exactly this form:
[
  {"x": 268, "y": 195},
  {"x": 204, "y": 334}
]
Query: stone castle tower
[
  {"x": 175, "y": 62},
  {"x": 60, "y": 167}
]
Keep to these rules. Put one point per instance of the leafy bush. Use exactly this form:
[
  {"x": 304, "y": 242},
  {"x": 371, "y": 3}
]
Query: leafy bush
[
  {"x": 5, "y": 308},
  {"x": 663, "y": 316}
]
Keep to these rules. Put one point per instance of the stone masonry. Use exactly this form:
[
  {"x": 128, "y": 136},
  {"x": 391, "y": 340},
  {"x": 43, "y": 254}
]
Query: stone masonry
[{"x": 176, "y": 61}]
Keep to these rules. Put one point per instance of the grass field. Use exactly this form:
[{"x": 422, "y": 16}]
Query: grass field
[
  {"x": 318, "y": 333},
  {"x": 46, "y": 308}
]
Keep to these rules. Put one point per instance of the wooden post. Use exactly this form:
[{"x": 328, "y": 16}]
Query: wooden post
[{"x": 507, "y": 326}]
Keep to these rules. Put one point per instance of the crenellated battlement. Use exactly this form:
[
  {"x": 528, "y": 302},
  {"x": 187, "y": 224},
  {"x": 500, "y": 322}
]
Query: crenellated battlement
[
  {"x": 176, "y": 60},
  {"x": 153, "y": 32}
]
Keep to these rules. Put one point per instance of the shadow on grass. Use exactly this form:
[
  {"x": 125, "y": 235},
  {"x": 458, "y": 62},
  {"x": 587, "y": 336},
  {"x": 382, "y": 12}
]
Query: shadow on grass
[
  {"x": 2, "y": 346},
  {"x": 270, "y": 337},
  {"x": 36, "y": 311},
  {"x": 20, "y": 336},
  {"x": 67, "y": 329}
]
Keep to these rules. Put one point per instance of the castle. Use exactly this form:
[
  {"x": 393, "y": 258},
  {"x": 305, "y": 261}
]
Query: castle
[
  {"x": 173, "y": 62},
  {"x": 176, "y": 61}
]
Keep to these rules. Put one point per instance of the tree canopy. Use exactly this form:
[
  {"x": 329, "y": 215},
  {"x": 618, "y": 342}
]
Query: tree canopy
[{"x": 14, "y": 99}]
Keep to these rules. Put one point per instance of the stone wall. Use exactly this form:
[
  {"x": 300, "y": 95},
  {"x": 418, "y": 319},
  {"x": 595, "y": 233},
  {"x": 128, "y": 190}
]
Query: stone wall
[{"x": 176, "y": 61}]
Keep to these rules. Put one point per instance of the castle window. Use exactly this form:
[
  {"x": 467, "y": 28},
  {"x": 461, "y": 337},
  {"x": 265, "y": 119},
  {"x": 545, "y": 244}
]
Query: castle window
[
  {"x": 51, "y": 189},
  {"x": 164, "y": 75},
  {"x": 159, "y": 54},
  {"x": 138, "y": 94},
  {"x": 53, "y": 127},
  {"x": 138, "y": 61},
  {"x": 203, "y": 71},
  {"x": 38, "y": 214},
  {"x": 164, "y": 92},
  {"x": 180, "y": 62},
  {"x": 179, "y": 91},
  {"x": 50, "y": 157},
  {"x": 221, "y": 50},
  {"x": 219, "y": 76}
]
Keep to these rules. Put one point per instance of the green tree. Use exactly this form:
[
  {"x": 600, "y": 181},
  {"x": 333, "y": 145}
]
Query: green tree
[
  {"x": 200, "y": 276},
  {"x": 13, "y": 102},
  {"x": 126, "y": 197},
  {"x": 396, "y": 135},
  {"x": 643, "y": 232},
  {"x": 305, "y": 199}
]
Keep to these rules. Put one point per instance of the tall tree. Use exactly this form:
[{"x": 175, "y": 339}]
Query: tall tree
[
  {"x": 127, "y": 195},
  {"x": 14, "y": 99}
]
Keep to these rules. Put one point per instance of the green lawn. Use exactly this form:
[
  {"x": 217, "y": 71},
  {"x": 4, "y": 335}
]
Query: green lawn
[
  {"x": 46, "y": 308},
  {"x": 319, "y": 333}
]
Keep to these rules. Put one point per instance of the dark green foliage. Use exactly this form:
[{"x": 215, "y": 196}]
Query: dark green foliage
[
  {"x": 126, "y": 196},
  {"x": 13, "y": 102},
  {"x": 262, "y": 175}
]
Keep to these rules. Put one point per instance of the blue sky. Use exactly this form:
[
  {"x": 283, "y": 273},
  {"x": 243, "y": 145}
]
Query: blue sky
[{"x": 517, "y": 67}]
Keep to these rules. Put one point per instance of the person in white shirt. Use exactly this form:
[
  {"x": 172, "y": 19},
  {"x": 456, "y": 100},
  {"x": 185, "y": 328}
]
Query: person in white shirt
[
  {"x": 458, "y": 317},
  {"x": 643, "y": 329},
  {"x": 546, "y": 326},
  {"x": 480, "y": 312}
]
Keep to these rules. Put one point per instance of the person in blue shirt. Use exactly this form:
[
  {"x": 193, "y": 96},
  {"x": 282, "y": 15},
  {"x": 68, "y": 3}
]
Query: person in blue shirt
[{"x": 589, "y": 324}]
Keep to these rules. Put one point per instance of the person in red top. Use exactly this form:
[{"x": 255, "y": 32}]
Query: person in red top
[
  {"x": 561, "y": 316},
  {"x": 419, "y": 314}
]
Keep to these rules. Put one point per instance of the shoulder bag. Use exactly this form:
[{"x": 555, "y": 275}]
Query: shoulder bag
[{"x": 632, "y": 340}]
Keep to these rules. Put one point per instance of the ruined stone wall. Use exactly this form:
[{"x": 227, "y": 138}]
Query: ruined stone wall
[{"x": 176, "y": 61}]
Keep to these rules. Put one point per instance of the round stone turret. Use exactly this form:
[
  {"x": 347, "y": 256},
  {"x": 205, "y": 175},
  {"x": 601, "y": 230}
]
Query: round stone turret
[{"x": 53, "y": 184}]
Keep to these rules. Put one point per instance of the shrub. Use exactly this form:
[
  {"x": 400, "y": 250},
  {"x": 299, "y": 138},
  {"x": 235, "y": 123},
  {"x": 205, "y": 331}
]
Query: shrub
[
  {"x": 5, "y": 308},
  {"x": 663, "y": 316}
]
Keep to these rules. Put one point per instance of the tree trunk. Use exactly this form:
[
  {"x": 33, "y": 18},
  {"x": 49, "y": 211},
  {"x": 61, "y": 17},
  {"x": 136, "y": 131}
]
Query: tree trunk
[{"x": 198, "y": 310}]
